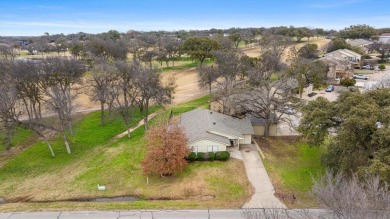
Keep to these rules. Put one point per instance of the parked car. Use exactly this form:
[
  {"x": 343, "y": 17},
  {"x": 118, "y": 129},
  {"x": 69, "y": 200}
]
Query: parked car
[
  {"x": 287, "y": 110},
  {"x": 360, "y": 76},
  {"x": 330, "y": 88},
  {"x": 370, "y": 67}
]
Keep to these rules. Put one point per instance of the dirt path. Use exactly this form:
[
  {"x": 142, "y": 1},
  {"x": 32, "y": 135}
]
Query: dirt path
[{"x": 139, "y": 124}]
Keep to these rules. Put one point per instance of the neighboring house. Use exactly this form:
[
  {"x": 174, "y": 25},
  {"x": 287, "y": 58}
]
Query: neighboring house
[
  {"x": 347, "y": 55},
  {"x": 361, "y": 43},
  {"x": 338, "y": 68},
  {"x": 384, "y": 38},
  {"x": 258, "y": 125},
  {"x": 211, "y": 131}
]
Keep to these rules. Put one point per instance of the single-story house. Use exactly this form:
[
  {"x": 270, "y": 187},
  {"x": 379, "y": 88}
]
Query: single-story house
[
  {"x": 258, "y": 125},
  {"x": 384, "y": 38},
  {"x": 361, "y": 43},
  {"x": 209, "y": 131},
  {"x": 347, "y": 55}
]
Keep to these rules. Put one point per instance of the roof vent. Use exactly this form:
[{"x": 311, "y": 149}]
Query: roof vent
[
  {"x": 214, "y": 123},
  {"x": 211, "y": 112}
]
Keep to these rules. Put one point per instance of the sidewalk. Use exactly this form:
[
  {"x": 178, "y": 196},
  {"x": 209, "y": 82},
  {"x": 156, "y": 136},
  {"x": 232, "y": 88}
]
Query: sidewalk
[
  {"x": 264, "y": 191},
  {"x": 139, "y": 124}
]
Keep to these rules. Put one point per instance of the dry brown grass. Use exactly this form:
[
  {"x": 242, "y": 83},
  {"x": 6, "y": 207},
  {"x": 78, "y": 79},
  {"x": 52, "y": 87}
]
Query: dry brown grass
[{"x": 254, "y": 52}]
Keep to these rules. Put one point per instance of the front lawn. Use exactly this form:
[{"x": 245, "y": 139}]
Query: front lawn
[
  {"x": 291, "y": 165},
  {"x": 34, "y": 176}
]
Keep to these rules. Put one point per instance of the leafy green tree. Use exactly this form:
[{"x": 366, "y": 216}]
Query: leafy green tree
[
  {"x": 299, "y": 33},
  {"x": 307, "y": 72},
  {"x": 348, "y": 82},
  {"x": 382, "y": 67},
  {"x": 309, "y": 51},
  {"x": 236, "y": 38},
  {"x": 337, "y": 43},
  {"x": 200, "y": 48},
  {"x": 319, "y": 32},
  {"x": 357, "y": 126},
  {"x": 358, "y": 32}
]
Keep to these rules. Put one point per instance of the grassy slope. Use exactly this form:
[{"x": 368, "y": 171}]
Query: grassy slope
[
  {"x": 20, "y": 137},
  {"x": 37, "y": 161},
  {"x": 291, "y": 165},
  {"x": 117, "y": 166}
]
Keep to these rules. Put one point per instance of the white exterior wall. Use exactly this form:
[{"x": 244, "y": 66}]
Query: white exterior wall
[
  {"x": 247, "y": 139},
  {"x": 203, "y": 144}
]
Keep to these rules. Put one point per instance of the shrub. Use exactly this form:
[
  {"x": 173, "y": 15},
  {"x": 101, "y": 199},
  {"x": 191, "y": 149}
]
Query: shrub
[
  {"x": 201, "y": 156},
  {"x": 191, "y": 157},
  {"x": 222, "y": 155},
  {"x": 365, "y": 56},
  {"x": 211, "y": 156},
  {"x": 347, "y": 82},
  {"x": 206, "y": 156},
  {"x": 382, "y": 67}
]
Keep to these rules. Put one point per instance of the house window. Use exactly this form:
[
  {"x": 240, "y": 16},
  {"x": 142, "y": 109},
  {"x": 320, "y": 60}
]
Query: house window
[
  {"x": 212, "y": 148},
  {"x": 195, "y": 149}
]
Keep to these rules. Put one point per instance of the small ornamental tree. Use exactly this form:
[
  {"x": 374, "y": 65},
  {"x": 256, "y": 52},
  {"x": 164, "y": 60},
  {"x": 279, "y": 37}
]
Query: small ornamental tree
[
  {"x": 382, "y": 67},
  {"x": 166, "y": 152}
]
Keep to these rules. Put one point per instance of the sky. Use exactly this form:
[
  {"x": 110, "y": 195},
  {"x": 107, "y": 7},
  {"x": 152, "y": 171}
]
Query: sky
[{"x": 35, "y": 17}]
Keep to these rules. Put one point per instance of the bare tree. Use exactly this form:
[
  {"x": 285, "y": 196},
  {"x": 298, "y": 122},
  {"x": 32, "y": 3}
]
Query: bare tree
[
  {"x": 105, "y": 49},
  {"x": 225, "y": 74},
  {"x": 8, "y": 101},
  {"x": 149, "y": 83},
  {"x": 148, "y": 56},
  {"x": 127, "y": 91},
  {"x": 7, "y": 52},
  {"x": 103, "y": 82},
  {"x": 59, "y": 77},
  {"x": 351, "y": 198},
  {"x": 172, "y": 49},
  {"x": 207, "y": 76},
  {"x": 134, "y": 46},
  {"x": 269, "y": 85},
  {"x": 30, "y": 93}
]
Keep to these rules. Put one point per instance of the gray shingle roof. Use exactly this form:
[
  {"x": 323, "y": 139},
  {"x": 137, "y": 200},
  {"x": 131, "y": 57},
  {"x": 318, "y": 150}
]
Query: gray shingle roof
[{"x": 199, "y": 123}]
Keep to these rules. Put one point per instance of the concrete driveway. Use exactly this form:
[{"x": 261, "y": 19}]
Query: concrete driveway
[{"x": 264, "y": 191}]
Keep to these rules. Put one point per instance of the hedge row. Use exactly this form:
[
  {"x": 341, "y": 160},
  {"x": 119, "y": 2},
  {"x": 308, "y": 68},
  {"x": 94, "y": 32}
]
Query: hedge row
[{"x": 210, "y": 156}]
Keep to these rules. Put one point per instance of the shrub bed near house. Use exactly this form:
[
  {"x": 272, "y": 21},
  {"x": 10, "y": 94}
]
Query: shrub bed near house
[
  {"x": 191, "y": 157},
  {"x": 201, "y": 156},
  {"x": 222, "y": 155},
  {"x": 211, "y": 156}
]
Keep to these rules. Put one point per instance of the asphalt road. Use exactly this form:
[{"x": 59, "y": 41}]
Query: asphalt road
[{"x": 182, "y": 214}]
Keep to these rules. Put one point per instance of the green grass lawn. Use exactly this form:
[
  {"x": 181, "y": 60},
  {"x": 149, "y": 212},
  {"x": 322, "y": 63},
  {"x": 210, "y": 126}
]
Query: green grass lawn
[
  {"x": 96, "y": 159},
  {"x": 20, "y": 137},
  {"x": 291, "y": 165},
  {"x": 186, "y": 66},
  {"x": 37, "y": 160}
]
